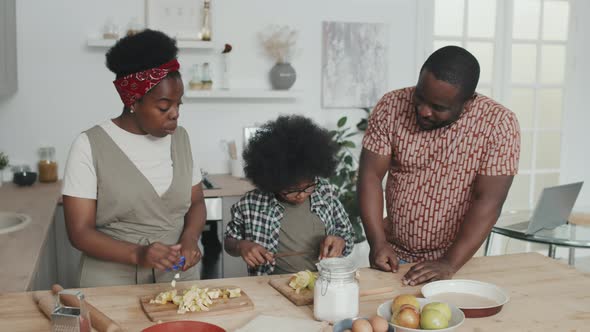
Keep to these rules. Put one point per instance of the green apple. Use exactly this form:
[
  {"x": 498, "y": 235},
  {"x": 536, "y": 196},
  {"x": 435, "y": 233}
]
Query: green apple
[
  {"x": 433, "y": 320},
  {"x": 440, "y": 306}
]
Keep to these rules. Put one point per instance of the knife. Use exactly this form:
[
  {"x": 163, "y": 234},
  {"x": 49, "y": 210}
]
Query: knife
[{"x": 292, "y": 253}]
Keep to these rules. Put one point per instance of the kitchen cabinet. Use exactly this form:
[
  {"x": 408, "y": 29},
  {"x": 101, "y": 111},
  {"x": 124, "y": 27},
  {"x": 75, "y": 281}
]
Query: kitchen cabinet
[{"x": 8, "y": 69}]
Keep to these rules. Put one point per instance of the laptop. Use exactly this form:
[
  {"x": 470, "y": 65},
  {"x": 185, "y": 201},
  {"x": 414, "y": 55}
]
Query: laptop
[{"x": 553, "y": 208}]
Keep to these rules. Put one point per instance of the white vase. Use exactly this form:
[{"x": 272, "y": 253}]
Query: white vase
[{"x": 225, "y": 71}]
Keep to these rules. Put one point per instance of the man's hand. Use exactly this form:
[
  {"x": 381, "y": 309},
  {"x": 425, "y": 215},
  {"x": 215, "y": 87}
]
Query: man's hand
[
  {"x": 159, "y": 256},
  {"x": 428, "y": 271},
  {"x": 383, "y": 257},
  {"x": 332, "y": 246},
  {"x": 191, "y": 252},
  {"x": 254, "y": 254}
]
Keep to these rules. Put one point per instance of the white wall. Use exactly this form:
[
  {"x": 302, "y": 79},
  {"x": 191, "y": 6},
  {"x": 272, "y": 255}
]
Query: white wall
[
  {"x": 64, "y": 87},
  {"x": 576, "y": 133}
]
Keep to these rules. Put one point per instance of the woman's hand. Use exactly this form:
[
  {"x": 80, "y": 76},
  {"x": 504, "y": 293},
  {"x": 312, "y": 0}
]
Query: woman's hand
[
  {"x": 191, "y": 252},
  {"x": 331, "y": 246},
  {"x": 159, "y": 256},
  {"x": 254, "y": 254}
]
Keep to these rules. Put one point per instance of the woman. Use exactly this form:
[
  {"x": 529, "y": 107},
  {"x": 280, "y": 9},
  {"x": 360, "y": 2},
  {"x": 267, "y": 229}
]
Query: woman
[
  {"x": 294, "y": 209},
  {"x": 132, "y": 194}
]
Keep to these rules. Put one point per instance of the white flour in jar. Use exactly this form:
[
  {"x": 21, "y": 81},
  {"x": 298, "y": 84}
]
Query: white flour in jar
[{"x": 335, "y": 300}]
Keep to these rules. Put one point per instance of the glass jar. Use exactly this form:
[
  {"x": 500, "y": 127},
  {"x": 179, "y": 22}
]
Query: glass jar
[
  {"x": 195, "y": 82},
  {"x": 110, "y": 30},
  {"x": 206, "y": 77},
  {"x": 336, "y": 291},
  {"x": 47, "y": 164}
]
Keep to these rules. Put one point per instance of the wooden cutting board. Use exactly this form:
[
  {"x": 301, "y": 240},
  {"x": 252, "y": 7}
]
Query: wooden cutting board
[
  {"x": 380, "y": 282},
  {"x": 281, "y": 284},
  {"x": 167, "y": 312}
]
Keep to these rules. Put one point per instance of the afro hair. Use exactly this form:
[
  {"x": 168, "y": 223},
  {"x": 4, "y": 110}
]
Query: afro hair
[
  {"x": 144, "y": 50},
  {"x": 287, "y": 151}
]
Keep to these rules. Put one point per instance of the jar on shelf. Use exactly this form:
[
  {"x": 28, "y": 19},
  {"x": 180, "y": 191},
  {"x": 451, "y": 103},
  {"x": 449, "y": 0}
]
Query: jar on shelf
[
  {"x": 195, "y": 81},
  {"x": 47, "y": 164},
  {"x": 110, "y": 30},
  {"x": 134, "y": 27},
  {"x": 336, "y": 290},
  {"x": 206, "y": 77}
]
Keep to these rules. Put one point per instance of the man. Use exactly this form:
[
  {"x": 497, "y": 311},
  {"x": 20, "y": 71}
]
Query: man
[{"x": 451, "y": 155}]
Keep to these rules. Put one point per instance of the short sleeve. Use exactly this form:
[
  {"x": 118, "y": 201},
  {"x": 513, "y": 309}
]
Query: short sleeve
[
  {"x": 379, "y": 135},
  {"x": 503, "y": 149},
  {"x": 80, "y": 175}
]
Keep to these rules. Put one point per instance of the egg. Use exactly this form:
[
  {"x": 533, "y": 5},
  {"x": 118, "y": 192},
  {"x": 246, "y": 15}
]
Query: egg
[
  {"x": 361, "y": 325},
  {"x": 379, "y": 324}
]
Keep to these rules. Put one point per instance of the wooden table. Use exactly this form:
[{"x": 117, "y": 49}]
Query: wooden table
[{"x": 545, "y": 295}]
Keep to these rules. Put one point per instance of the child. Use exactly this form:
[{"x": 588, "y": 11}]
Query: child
[{"x": 294, "y": 209}]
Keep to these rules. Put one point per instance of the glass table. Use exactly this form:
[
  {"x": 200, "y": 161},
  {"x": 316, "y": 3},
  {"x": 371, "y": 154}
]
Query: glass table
[{"x": 514, "y": 225}]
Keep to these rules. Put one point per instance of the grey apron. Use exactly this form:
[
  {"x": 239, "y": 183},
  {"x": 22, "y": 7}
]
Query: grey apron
[{"x": 129, "y": 209}]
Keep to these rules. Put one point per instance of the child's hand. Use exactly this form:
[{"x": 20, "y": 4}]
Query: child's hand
[
  {"x": 254, "y": 254},
  {"x": 331, "y": 246}
]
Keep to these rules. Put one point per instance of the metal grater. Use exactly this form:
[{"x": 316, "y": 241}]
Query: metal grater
[{"x": 70, "y": 319}]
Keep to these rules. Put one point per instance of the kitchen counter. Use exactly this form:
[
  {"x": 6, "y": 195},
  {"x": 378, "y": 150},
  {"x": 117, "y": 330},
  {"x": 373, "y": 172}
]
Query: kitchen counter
[
  {"x": 545, "y": 295},
  {"x": 228, "y": 186},
  {"x": 20, "y": 250}
]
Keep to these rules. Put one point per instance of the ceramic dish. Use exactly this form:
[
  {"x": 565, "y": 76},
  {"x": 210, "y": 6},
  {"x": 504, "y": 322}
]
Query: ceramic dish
[
  {"x": 475, "y": 298},
  {"x": 457, "y": 316},
  {"x": 184, "y": 326}
]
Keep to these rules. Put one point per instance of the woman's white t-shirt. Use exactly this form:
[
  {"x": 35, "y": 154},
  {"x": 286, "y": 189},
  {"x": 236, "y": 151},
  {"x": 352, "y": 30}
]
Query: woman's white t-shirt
[{"x": 151, "y": 155}]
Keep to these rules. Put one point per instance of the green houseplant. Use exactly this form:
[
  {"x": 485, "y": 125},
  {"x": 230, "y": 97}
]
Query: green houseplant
[
  {"x": 346, "y": 174},
  {"x": 4, "y": 161}
]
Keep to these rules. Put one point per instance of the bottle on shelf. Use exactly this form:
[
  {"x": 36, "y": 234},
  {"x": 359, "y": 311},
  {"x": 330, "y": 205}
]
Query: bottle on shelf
[
  {"x": 206, "y": 77},
  {"x": 195, "y": 82},
  {"x": 206, "y": 28}
]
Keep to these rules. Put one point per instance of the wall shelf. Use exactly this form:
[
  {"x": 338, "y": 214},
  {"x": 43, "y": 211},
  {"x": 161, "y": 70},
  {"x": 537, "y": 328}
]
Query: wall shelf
[
  {"x": 183, "y": 44},
  {"x": 242, "y": 94}
]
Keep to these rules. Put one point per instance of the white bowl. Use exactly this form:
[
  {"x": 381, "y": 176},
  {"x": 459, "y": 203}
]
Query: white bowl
[{"x": 457, "y": 316}]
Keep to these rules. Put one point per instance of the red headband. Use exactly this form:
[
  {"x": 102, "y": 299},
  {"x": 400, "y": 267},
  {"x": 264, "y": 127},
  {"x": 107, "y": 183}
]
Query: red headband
[{"x": 136, "y": 85}]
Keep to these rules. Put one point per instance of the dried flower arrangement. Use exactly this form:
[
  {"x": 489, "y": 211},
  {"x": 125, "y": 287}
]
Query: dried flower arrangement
[{"x": 279, "y": 42}]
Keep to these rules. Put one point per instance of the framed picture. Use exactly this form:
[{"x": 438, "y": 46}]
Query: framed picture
[
  {"x": 354, "y": 64},
  {"x": 180, "y": 19}
]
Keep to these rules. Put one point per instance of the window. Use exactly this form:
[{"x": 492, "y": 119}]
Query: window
[{"x": 521, "y": 46}]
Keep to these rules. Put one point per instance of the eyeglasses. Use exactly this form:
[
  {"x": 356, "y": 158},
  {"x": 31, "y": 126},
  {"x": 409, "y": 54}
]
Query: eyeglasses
[{"x": 307, "y": 190}]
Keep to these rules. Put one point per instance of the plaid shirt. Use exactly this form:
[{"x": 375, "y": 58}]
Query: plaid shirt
[{"x": 257, "y": 217}]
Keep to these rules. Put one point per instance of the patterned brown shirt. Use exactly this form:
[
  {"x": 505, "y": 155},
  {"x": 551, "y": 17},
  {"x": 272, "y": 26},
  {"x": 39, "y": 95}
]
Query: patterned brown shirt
[{"x": 432, "y": 173}]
